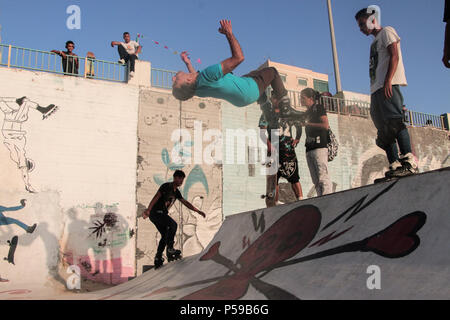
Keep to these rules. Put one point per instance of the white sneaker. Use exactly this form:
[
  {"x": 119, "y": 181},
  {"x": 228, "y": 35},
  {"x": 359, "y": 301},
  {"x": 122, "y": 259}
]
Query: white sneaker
[
  {"x": 131, "y": 74},
  {"x": 121, "y": 61},
  {"x": 410, "y": 161}
]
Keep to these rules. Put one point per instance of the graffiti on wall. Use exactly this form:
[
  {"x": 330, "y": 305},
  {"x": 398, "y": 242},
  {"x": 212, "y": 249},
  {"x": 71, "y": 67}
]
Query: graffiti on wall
[
  {"x": 95, "y": 245},
  {"x": 299, "y": 229},
  {"x": 15, "y": 111}
]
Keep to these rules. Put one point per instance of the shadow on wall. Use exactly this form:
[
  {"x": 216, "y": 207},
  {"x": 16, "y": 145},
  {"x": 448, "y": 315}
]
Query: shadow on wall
[
  {"x": 95, "y": 246},
  {"x": 12, "y": 225}
]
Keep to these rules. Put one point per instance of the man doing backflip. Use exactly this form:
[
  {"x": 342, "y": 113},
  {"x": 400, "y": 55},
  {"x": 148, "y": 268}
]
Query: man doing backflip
[{"x": 217, "y": 81}]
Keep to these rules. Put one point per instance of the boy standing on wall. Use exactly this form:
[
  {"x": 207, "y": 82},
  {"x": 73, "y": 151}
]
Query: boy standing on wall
[{"x": 387, "y": 74}]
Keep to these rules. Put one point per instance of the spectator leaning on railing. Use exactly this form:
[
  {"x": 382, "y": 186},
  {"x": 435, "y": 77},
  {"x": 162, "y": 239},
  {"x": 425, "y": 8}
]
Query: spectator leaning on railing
[
  {"x": 69, "y": 60},
  {"x": 128, "y": 51}
]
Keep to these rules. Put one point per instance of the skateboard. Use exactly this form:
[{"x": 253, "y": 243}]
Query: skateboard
[
  {"x": 386, "y": 179},
  {"x": 12, "y": 249},
  {"x": 271, "y": 187}
]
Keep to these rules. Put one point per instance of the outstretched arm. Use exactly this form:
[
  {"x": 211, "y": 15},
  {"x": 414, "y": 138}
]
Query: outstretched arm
[
  {"x": 190, "y": 206},
  {"x": 446, "y": 57},
  {"x": 114, "y": 43},
  {"x": 187, "y": 62},
  {"x": 237, "y": 56}
]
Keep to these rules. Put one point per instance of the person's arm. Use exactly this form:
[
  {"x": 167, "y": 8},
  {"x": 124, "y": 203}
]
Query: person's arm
[
  {"x": 237, "y": 56},
  {"x": 298, "y": 133},
  {"x": 393, "y": 63},
  {"x": 59, "y": 53},
  {"x": 139, "y": 49},
  {"x": 187, "y": 62},
  {"x": 155, "y": 199},
  {"x": 446, "y": 57},
  {"x": 322, "y": 125},
  {"x": 115, "y": 43},
  {"x": 75, "y": 59},
  {"x": 191, "y": 207}
]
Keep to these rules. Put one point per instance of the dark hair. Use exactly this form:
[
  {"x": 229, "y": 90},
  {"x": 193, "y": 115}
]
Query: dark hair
[
  {"x": 126, "y": 33},
  {"x": 179, "y": 173},
  {"x": 311, "y": 93},
  {"x": 70, "y": 42},
  {"x": 364, "y": 13}
]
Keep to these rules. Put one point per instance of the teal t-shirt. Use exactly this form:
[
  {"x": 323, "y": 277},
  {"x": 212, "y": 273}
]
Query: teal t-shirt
[{"x": 240, "y": 91}]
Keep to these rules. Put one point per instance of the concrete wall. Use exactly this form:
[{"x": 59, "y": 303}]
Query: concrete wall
[
  {"x": 358, "y": 163},
  {"x": 160, "y": 115},
  {"x": 80, "y": 163}
]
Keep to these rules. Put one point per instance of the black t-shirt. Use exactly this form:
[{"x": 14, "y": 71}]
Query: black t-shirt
[
  {"x": 316, "y": 137},
  {"x": 69, "y": 64},
  {"x": 447, "y": 11},
  {"x": 168, "y": 197}
]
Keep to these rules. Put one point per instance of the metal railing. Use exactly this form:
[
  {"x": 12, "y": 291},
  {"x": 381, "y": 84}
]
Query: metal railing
[
  {"x": 38, "y": 60},
  {"x": 346, "y": 107},
  {"x": 419, "y": 119},
  {"x": 162, "y": 78}
]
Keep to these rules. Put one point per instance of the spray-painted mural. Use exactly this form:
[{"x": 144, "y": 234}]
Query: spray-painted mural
[
  {"x": 160, "y": 116},
  {"x": 15, "y": 112},
  {"x": 52, "y": 165}
]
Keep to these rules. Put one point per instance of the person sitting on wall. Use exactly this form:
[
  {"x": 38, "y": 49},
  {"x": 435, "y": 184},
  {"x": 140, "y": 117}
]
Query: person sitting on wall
[
  {"x": 128, "y": 51},
  {"x": 218, "y": 81},
  {"x": 69, "y": 61}
]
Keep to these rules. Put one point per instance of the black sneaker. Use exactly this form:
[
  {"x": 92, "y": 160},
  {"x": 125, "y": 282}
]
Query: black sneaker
[
  {"x": 405, "y": 170},
  {"x": 19, "y": 101},
  {"x": 159, "y": 260},
  {"x": 48, "y": 111}
]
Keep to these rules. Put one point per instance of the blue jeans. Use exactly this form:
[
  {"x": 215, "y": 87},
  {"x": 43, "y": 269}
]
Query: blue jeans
[{"x": 387, "y": 116}]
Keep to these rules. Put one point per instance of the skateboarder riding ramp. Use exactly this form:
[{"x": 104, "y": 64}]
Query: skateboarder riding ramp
[{"x": 383, "y": 241}]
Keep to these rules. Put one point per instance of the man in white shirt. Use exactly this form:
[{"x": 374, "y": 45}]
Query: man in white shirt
[
  {"x": 387, "y": 74},
  {"x": 128, "y": 51}
]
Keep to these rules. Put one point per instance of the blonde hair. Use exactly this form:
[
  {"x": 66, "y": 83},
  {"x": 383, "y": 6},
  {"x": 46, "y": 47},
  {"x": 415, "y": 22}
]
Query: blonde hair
[{"x": 184, "y": 92}]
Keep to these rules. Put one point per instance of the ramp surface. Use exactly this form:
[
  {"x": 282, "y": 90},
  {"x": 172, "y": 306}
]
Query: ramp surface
[{"x": 384, "y": 241}]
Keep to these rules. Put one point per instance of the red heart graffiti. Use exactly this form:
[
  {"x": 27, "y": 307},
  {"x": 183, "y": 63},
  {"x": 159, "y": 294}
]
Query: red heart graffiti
[{"x": 399, "y": 239}]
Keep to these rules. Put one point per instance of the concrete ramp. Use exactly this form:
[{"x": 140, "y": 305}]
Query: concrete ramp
[{"x": 383, "y": 241}]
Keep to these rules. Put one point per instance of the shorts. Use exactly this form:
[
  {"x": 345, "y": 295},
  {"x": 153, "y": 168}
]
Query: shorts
[{"x": 289, "y": 171}]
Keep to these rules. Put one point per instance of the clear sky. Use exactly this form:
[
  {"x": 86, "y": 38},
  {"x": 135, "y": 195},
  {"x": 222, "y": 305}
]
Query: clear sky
[{"x": 293, "y": 32}]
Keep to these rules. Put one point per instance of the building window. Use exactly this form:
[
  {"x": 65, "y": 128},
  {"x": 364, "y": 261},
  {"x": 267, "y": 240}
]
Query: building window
[
  {"x": 302, "y": 82},
  {"x": 321, "y": 86},
  {"x": 283, "y": 77}
]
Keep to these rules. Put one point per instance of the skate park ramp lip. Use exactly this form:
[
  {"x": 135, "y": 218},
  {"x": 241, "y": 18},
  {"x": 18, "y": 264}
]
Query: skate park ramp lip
[{"x": 381, "y": 241}]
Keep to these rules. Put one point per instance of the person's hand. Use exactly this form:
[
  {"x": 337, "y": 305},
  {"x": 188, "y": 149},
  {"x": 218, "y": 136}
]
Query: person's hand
[
  {"x": 184, "y": 57},
  {"x": 225, "y": 27},
  {"x": 388, "y": 89},
  {"x": 23, "y": 202},
  {"x": 146, "y": 214},
  {"x": 113, "y": 43},
  {"x": 446, "y": 60},
  {"x": 295, "y": 142},
  {"x": 201, "y": 213}
]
